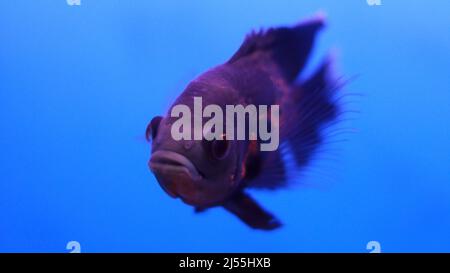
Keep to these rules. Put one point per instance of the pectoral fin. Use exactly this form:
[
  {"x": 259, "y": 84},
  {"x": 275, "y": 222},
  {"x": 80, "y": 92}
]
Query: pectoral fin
[{"x": 250, "y": 212}]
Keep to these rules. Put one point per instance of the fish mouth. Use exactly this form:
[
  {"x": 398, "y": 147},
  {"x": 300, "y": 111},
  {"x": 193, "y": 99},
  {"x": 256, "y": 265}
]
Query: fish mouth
[{"x": 176, "y": 174}]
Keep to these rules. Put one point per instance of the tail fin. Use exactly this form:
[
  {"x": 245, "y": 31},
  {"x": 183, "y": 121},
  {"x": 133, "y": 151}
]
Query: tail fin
[
  {"x": 289, "y": 48},
  {"x": 314, "y": 105}
]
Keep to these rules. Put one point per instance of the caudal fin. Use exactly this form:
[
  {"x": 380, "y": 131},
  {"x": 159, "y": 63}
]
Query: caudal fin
[
  {"x": 311, "y": 107},
  {"x": 314, "y": 106}
]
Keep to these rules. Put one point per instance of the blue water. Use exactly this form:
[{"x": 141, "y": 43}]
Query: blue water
[{"x": 78, "y": 85}]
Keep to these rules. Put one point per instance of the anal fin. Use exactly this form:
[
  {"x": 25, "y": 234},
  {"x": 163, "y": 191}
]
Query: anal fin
[{"x": 251, "y": 213}]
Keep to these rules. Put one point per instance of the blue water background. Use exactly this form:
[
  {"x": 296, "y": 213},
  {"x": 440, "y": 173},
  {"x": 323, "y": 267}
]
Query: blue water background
[{"x": 78, "y": 85}]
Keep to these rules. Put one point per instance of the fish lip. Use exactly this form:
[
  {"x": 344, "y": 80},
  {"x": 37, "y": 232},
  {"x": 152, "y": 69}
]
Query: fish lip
[{"x": 167, "y": 161}]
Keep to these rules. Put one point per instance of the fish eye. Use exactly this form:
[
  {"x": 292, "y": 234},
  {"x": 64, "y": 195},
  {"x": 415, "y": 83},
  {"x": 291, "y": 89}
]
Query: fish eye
[
  {"x": 152, "y": 128},
  {"x": 220, "y": 148}
]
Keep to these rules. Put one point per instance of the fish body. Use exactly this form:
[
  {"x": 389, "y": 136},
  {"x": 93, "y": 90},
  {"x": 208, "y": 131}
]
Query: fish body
[{"x": 263, "y": 71}]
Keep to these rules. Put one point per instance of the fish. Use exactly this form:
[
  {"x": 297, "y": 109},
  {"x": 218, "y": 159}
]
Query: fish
[{"x": 265, "y": 70}]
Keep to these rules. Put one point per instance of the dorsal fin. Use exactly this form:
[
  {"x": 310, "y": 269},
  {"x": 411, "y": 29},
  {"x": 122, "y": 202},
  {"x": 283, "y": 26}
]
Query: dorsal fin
[{"x": 288, "y": 47}]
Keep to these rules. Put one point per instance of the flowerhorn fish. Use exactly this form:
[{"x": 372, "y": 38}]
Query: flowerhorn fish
[{"x": 222, "y": 134}]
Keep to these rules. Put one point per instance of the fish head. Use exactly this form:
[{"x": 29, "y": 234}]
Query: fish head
[{"x": 201, "y": 173}]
